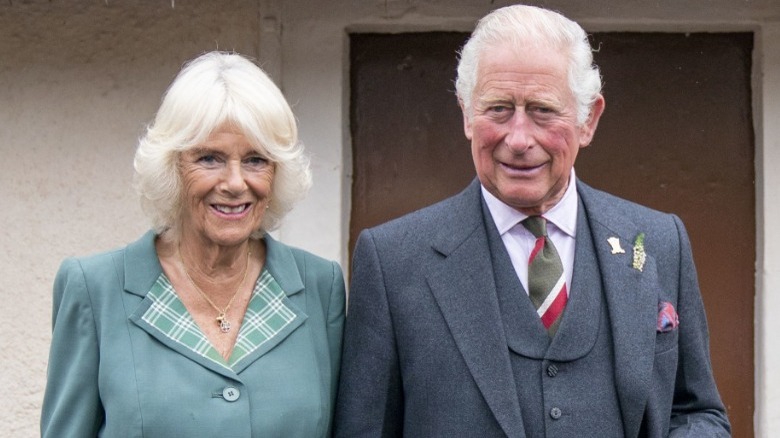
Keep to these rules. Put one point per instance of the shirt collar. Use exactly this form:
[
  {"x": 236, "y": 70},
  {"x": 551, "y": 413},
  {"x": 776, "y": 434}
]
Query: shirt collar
[{"x": 563, "y": 214}]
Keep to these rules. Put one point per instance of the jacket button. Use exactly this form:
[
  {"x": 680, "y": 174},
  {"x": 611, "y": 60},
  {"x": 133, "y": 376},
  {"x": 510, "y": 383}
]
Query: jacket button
[
  {"x": 231, "y": 394},
  {"x": 555, "y": 413},
  {"x": 552, "y": 371}
]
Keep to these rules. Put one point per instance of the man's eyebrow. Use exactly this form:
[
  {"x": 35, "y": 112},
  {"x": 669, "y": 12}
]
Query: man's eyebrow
[
  {"x": 495, "y": 99},
  {"x": 542, "y": 100}
]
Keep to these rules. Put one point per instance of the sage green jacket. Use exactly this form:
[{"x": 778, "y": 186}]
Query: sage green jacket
[{"x": 112, "y": 374}]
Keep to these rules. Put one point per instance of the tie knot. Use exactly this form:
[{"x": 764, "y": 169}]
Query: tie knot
[{"x": 537, "y": 225}]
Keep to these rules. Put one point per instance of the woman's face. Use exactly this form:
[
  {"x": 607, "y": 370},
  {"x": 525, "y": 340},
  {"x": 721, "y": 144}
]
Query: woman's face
[{"x": 226, "y": 188}]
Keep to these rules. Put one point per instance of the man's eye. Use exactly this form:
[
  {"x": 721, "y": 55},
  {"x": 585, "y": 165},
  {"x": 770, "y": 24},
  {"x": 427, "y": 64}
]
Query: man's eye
[
  {"x": 499, "y": 109},
  {"x": 542, "y": 110}
]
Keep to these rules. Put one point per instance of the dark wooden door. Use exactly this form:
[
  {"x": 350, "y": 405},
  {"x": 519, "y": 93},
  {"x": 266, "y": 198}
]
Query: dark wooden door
[
  {"x": 676, "y": 136},
  {"x": 408, "y": 145}
]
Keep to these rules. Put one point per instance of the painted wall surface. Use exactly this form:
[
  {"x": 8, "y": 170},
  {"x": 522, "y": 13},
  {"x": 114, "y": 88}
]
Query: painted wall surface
[{"x": 80, "y": 79}]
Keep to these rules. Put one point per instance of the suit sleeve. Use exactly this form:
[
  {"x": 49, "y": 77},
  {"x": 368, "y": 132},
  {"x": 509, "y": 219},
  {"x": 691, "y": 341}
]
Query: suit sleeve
[
  {"x": 71, "y": 405},
  {"x": 369, "y": 402},
  {"x": 697, "y": 410}
]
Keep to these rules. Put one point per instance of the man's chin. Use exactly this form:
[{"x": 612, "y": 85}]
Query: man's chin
[{"x": 527, "y": 202}]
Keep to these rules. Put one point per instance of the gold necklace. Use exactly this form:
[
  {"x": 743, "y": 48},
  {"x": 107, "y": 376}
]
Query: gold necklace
[{"x": 224, "y": 324}]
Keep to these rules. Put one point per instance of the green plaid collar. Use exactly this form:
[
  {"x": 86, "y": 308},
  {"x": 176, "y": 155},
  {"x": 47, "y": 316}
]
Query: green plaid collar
[{"x": 266, "y": 317}]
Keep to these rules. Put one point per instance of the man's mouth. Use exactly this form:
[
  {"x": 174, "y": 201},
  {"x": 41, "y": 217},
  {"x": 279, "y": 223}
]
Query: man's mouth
[{"x": 521, "y": 167}]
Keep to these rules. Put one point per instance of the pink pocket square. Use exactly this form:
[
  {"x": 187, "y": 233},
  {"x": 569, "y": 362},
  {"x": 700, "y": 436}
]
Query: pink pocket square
[{"x": 667, "y": 317}]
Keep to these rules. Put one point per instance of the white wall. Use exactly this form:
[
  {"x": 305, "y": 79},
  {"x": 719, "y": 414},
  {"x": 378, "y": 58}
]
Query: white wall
[
  {"x": 79, "y": 79},
  {"x": 767, "y": 303},
  {"x": 78, "y": 82}
]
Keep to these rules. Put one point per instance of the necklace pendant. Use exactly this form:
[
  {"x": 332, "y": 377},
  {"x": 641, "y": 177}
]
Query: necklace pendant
[{"x": 224, "y": 324}]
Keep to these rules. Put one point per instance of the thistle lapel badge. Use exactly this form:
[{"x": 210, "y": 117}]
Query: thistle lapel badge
[
  {"x": 639, "y": 252},
  {"x": 614, "y": 242}
]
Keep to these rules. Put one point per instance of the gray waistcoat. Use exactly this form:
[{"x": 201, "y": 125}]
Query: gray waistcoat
[{"x": 566, "y": 386}]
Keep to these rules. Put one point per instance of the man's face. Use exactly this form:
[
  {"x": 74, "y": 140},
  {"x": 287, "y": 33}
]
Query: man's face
[{"x": 523, "y": 128}]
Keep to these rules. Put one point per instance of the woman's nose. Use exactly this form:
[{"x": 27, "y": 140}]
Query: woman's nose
[{"x": 234, "y": 181}]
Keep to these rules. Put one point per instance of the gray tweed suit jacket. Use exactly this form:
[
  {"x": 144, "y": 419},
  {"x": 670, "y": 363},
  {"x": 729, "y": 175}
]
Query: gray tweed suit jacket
[{"x": 425, "y": 352}]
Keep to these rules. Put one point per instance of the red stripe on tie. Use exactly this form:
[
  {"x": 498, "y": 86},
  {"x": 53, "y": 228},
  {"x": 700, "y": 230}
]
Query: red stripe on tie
[
  {"x": 538, "y": 246},
  {"x": 556, "y": 308}
]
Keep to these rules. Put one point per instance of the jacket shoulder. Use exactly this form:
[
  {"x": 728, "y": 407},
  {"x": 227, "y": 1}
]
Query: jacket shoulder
[
  {"x": 456, "y": 211},
  {"x": 310, "y": 260},
  {"x": 93, "y": 266},
  {"x": 610, "y": 206},
  {"x": 313, "y": 267}
]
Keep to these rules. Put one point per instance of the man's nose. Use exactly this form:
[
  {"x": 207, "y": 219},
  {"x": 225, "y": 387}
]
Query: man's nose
[{"x": 520, "y": 132}]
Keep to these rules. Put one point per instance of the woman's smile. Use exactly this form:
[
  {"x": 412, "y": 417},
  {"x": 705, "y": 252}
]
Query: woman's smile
[{"x": 233, "y": 212}]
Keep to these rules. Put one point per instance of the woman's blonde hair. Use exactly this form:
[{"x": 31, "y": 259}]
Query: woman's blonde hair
[{"x": 213, "y": 90}]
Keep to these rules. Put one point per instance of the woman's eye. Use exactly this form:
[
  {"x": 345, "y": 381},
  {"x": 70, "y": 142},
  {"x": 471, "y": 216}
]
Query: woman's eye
[
  {"x": 256, "y": 161},
  {"x": 207, "y": 159}
]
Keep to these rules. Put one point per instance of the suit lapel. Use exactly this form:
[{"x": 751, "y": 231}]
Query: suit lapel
[
  {"x": 464, "y": 288},
  {"x": 631, "y": 302}
]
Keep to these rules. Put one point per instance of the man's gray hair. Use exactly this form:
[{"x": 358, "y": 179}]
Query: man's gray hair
[{"x": 520, "y": 26}]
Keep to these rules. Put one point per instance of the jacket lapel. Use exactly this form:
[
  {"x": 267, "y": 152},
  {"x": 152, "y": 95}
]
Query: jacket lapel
[
  {"x": 464, "y": 288},
  {"x": 282, "y": 266},
  {"x": 632, "y": 301},
  {"x": 142, "y": 269}
]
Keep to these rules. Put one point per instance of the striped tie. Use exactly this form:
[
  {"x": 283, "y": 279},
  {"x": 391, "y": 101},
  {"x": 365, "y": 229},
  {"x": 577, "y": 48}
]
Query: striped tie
[{"x": 546, "y": 282}]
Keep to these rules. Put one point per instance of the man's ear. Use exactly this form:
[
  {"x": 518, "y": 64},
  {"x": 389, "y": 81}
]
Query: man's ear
[
  {"x": 466, "y": 119},
  {"x": 588, "y": 129}
]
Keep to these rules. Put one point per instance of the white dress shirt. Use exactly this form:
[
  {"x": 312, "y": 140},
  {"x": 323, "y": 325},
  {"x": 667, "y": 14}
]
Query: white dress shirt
[{"x": 561, "y": 229}]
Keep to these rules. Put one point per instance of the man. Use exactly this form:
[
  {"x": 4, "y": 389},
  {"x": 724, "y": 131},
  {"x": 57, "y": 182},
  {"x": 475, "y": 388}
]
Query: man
[{"x": 468, "y": 319}]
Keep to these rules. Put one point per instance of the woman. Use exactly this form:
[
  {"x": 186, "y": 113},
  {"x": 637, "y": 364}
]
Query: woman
[{"x": 206, "y": 326}]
